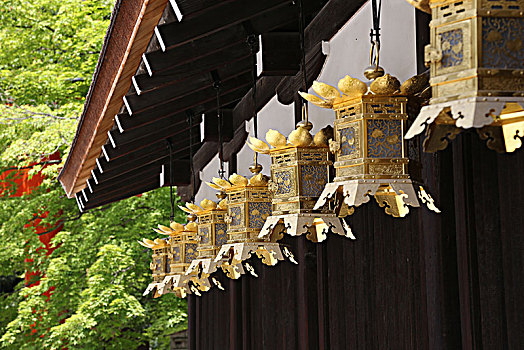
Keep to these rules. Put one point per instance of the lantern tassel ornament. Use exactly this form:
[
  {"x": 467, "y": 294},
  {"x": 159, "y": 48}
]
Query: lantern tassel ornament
[
  {"x": 249, "y": 204},
  {"x": 299, "y": 171},
  {"x": 476, "y": 60}
]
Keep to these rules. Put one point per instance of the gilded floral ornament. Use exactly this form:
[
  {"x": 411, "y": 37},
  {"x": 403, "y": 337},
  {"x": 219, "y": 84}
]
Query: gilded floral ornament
[
  {"x": 352, "y": 87},
  {"x": 322, "y": 137},
  {"x": 238, "y": 180},
  {"x": 385, "y": 85},
  {"x": 258, "y": 180},
  {"x": 300, "y": 137},
  {"x": 207, "y": 204},
  {"x": 415, "y": 84},
  {"x": 275, "y": 139},
  {"x": 327, "y": 92},
  {"x": 257, "y": 145},
  {"x": 422, "y": 5},
  {"x": 317, "y": 101}
]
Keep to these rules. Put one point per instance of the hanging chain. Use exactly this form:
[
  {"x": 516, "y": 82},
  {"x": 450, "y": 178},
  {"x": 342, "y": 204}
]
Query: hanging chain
[
  {"x": 191, "y": 167},
  {"x": 171, "y": 181},
  {"x": 221, "y": 172},
  {"x": 374, "y": 34},
  {"x": 301, "y": 24},
  {"x": 252, "y": 40}
]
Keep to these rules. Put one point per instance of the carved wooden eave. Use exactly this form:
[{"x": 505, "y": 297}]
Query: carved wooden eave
[
  {"x": 155, "y": 80},
  {"x": 130, "y": 30}
]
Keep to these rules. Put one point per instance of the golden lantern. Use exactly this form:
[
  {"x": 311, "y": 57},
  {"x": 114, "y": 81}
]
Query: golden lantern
[
  {"x": 177, "y": 254},
  {"x": 249, "y": 204},
  {"x": 159, "y": 266},
  {"x": 299, "y": 172},
  {"x": 370, "y": 150},
  {"x": 476, "y": 60},
  {"x": 212, "y": 234}
]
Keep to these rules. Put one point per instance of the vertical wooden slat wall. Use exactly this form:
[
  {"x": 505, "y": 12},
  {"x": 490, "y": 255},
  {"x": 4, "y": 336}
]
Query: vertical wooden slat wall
[{"x": 428, "y": 281}]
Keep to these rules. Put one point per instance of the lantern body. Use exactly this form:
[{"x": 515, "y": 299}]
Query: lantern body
[
  {"x": 248, "y": 208},
  {"x": 212, "y": 230},
  {"x": 368, "y": 135},
  {"x": 476, "y": 49},
  {"x": 476, "y": 60},
  {"x": 160, "y": 266},
  {"x": 183, "y": 251},
  {"x": 299, "y": 175}
]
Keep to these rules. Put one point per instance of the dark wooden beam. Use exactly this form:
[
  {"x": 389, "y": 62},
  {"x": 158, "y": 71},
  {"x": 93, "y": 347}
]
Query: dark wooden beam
[
  {"x": 288, "y": 88},
  {"x": 204, "y": 155},
  {"x": 111, "y": 153},
  {"x": 158, "y": 61},
  {"x": 201, "y": 86},
  {"x": 146, "y": 186},
  {"x": 265, "y": 91},
  {"x": 230, "y": 92},
  {"x": 121, "y": 138},
  {"x": 211, "y": 127},
  {"x": 220, "y": 60},
  {"x": 194, "y": 103},
  {"x": 322, "y": 28},
  {"x": 147, "y": 175},
  {"x": 280, "y": 53},
  {"x": 238, "y": 141},
  {"x": 227, "y": 15},
  {"x": 181, "y": 151},
  {"x": 111, "y": 181}
]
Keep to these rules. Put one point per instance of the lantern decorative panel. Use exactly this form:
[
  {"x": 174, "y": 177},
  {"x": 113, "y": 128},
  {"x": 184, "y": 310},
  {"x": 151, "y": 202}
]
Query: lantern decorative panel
[
  {"x": 299, "y": 172},
  {"x": 476, "y": 60},
  {"x": 249, "y": 204},
  {"x": 159, "y": 265},
  {"x": 371, "y": 156},
  {"x": 184, "y": 241},
  {"x": 212, "y": 234}
]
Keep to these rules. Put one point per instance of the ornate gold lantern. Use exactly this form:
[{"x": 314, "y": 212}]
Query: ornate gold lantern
[
  {"x": 183, "y": 239},
  {"x": 299, "y": 172},
  {"x": 476, "y": 59},
  {"x": 249, "y": 204},
  {"x": 173, "y": 258},
  {"x": 159, "y": 266},
  {"x": 212, "y": 234},
  {"x": 370, "y": 151}
]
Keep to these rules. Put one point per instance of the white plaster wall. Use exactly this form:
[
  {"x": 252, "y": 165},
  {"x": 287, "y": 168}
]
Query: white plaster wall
[
  {"x": 348, "y": 54},
  {"x": 206, "y": 174}
]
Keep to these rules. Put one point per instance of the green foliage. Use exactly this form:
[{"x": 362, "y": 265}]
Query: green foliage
[
  {"x": 48, "y": 48},
  {"x": 96, "y": 276}
]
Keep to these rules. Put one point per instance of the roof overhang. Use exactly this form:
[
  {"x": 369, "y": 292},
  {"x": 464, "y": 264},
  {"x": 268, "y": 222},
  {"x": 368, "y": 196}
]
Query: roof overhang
[
  {"x": 155, "y": 80},
  {"x": 130, "y": 30}
]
